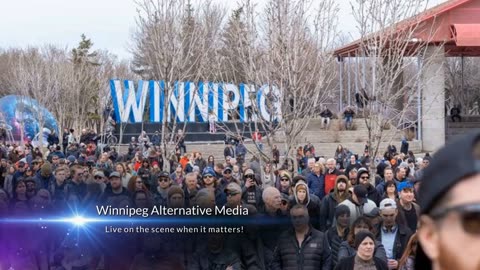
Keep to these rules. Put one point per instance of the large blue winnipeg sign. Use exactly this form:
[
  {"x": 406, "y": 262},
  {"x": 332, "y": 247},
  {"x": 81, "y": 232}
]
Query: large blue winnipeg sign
[{"x": 190, "y": 102}]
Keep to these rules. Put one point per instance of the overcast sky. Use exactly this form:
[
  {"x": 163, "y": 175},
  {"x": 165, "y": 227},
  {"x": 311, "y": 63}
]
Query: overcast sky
[{"x": 109, "y": 23}]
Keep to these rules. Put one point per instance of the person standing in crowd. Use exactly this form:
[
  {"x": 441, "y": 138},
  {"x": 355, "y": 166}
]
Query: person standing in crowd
[
  {"x": 390, "y": 191},
  {"x": 388, "y": 176},
  {"x": 348, "y": 115},
  {"x": 448, "y": 196},
  {"x": 211, "y": 182},
  {"x": 316, "y": 181},
  {"x": 303, "y": 197},
  {"x": 275, "y": 155},
  {"x": 241, "y": 152},
  {"x": 331, "y": 175},
  {"x": 358, "y": 203},
  {"x": 309, "y": 249},
  {"x": 211, "y": 123},
  {"x": 76, "y": 188},
  {"x": 347, "y": 248},
  {"x": 267, "y": 176},
  {"x": 425, "y": 163},
  {"x": 115, "y": 192},
  {"x": 364, "y": 258},
  {"x": 352, "y": 177},
  {"x": 310, "y": 161},
  {"x": 65, "y": 140},
  {"x": 71, "y": 137},
  {"x": 190, "y": 188},
  {"x": 407, "y": 262},
  {"x": 163, "y": 184},
  {"x": 408, "y": 210},
  {"x": 180, "y": 141},
  {"x": 200, "y": 161},
  {"x": 156, "y": 138},
  {"x": 364, "y": 179},
  {"x": 309, "y": 148},
  {"x": 284, "y": 184},
  {"x": 251, "y": 192},
  {"x": 338, "y": 233},
  {"x": 353, "y": 164},
  {"x": 393, "y": 236},
  {"x": 229, "y": 152},
  {"x": 257, "y": 139},
  {"x": 332, "y": 200}
]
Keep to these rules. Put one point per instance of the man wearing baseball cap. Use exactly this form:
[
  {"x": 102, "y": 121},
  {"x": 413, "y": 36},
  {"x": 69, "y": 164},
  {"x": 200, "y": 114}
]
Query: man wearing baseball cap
[
  {"x": 449, "y": 232},
  {"x": 358, "y": 203},
  {"x": 394, "y": 236}
]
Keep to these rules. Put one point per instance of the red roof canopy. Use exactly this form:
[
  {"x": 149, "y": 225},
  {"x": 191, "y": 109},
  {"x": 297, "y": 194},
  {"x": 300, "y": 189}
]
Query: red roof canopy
[{"x": 455, "y": 23}]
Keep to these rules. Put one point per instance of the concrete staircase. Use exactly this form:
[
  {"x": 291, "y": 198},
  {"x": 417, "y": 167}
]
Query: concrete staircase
[
  {"x": 457, "y": 129},
  {"x": 325, "y": 141}
]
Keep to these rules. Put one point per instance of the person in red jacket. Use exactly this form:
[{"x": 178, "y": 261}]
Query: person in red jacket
[{"x": 331, "y": 175}]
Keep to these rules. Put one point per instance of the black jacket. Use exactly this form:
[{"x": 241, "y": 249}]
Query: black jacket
[
  {"x": 314, "y": 252},
  {"x": 401, "y": 239},
  {"x": 327, "y": 211},
  {"x": 334, "y": 241},
  {"x": 349, "y": 264},
  {"x": 373, "y": 194}
]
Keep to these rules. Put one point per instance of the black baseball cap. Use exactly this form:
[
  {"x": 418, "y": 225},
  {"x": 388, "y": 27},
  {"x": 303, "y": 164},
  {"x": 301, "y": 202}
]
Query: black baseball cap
[
  {"x": 361, "y": 192},
  {"x": 449, "y": 166}
]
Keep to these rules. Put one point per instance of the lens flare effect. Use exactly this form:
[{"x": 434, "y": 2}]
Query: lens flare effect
[{"x": 78, "y": 221}]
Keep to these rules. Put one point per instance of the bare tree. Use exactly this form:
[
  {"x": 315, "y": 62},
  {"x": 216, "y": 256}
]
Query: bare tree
[
  {"x": 172, "y": 43},
  {"x": 283, "y": 51},
  {"x": 388, "y": 48}
]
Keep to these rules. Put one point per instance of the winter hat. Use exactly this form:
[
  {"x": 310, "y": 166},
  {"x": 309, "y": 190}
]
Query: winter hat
[
  {"x": 298, "y": 178},
  {"x": 359, "y": 237},
  {"x": 341, "y": 210},
  {"x": 175, "y": 190},
  {"x": 71, "y": 159},
  {"x": 342, "y": 178},
  {"x": 300, "y": 186},
  {"x": 46, "y": 169},
  {"x": 208, "y": 171}
]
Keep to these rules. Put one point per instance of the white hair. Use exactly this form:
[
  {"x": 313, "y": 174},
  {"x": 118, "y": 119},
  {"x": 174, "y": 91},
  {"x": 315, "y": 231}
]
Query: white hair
[
  {"x": 268, "y": 191},
  {"x": 332, "y": 160}
]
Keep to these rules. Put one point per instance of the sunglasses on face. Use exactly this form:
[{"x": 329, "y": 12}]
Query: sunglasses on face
[
  {"x": 284, "y": 179},
  {"x": 251, "y": 176},
  {"x": 284, "y": 203},
  {"x": 469, "y": 216},
  {"x": 207, "y": 176},
  {"x": 364, "y": 177},
  {"x": 163, "y": 180},
  {"x": 98, "y": 177},
  {"x": 228, "y": 172}
]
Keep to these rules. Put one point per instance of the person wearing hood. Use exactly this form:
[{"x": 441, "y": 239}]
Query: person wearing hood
[
  {"x": 329, "y": 203},
  {"x": 338, "y": 233},
  {"x": 303, "y": 197},
  {"x": 251, "y": 192},
  {"x": 284, "y": 183},
  {"x": 363, "y": 178},
  {"x": 358, "y": 203}
]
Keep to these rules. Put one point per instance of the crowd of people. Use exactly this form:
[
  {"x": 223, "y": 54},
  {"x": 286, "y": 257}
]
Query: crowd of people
[{"x": 333, "y": 213}]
